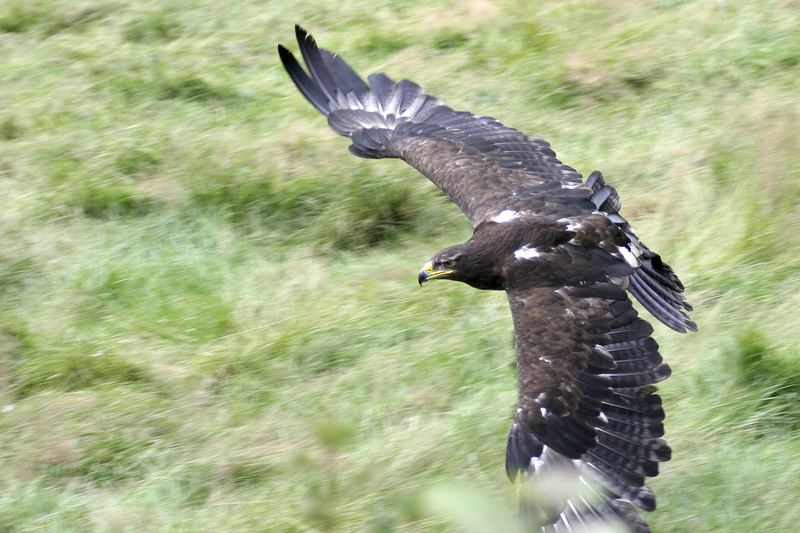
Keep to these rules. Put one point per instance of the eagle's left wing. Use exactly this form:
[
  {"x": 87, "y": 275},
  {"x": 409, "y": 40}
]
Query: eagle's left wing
[{"x": 586, "y": 367}]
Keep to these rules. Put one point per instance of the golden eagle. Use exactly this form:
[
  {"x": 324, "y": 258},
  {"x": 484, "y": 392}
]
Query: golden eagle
[{"x": 566, "y": 258}]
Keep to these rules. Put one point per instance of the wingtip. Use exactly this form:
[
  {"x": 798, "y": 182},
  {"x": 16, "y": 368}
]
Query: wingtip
[
  {"x": 302, "y": 35},
  {"x": 286, "y": 56}
]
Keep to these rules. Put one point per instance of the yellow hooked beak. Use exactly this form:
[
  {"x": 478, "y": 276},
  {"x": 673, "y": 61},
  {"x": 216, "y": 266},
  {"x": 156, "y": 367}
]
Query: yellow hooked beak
[{"x": 427, "y": 273}]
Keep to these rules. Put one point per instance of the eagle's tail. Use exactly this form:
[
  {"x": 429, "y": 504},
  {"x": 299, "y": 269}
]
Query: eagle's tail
[
  {"x": 653, "y": 283},
  {"x": 367, "y": 113}
]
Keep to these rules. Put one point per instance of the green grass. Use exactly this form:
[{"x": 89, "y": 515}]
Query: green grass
[{"x": 211, "y": 313}]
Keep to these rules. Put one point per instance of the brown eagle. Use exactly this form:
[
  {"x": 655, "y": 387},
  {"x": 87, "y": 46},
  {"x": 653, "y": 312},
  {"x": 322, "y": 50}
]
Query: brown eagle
[{"x": 567, "y": 260}]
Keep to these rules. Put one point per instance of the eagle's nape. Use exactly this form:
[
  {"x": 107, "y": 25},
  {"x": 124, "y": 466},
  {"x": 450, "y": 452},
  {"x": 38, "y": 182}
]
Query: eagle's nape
[{"x": 566, "y": 257}]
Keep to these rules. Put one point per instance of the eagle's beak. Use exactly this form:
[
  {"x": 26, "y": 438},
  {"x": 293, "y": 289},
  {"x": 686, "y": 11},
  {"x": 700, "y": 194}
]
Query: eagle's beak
[{"x": 427, "y": 273}]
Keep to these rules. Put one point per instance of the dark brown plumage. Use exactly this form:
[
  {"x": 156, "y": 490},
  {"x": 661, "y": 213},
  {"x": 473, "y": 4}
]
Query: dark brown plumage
[{"x": 565, "y": 257}]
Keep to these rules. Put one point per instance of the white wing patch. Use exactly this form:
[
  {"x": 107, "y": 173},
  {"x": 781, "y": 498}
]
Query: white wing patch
[
  {"x": 629, "y": 257},
  {"x": 527, "y": 252},
  {"x": 506, "y": 216},
  {"x": 572, "y": 225}
]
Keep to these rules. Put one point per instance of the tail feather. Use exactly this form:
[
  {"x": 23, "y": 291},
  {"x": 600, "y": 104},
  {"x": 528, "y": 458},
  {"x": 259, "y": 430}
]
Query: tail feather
[
  {"x": 653, "y": 283},
  {"x": 663, "y": 309}
]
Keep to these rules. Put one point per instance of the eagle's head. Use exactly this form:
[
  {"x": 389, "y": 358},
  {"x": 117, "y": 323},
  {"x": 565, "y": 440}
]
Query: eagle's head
[
  {"x": 443, "y": 265},
  {"x": 462, "y": 262}
]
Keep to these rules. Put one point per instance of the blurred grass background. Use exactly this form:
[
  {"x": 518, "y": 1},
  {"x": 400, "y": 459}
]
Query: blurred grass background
[{"x": 211, "y": 319}]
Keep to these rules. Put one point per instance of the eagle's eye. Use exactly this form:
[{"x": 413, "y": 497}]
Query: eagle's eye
[{"x": 449, "y": 263}]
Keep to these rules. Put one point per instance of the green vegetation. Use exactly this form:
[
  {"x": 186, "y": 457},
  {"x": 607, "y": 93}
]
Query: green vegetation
[{"x": 210, "y": 313}]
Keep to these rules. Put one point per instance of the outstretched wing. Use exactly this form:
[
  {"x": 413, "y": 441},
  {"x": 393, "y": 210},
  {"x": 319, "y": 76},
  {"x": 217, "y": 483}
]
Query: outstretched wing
[
  {"x": 586, "y": 367},
  {"x": 477, "y": 161},
  {"x": 489, "y": 170}
]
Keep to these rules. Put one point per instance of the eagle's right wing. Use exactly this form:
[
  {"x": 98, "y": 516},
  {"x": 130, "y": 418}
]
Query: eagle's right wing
[{"x": 586, "y": 367}]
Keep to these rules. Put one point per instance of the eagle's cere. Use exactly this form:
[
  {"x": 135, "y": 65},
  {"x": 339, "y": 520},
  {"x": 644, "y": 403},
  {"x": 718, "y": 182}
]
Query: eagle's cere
[{"x": 557, "y": 245}]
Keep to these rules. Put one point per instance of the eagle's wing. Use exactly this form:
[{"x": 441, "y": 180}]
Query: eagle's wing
[
  {"x": 477, "y": 161},
  {"x": 586, "y": 367},
  {"x": 492, "y": 172}
]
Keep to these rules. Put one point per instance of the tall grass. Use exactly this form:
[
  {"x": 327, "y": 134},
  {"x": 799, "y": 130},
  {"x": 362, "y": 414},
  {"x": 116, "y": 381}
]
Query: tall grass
[{"x": 211, "y": 315}]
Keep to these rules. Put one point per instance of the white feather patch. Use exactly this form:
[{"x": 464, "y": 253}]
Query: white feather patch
[
  {"x": 631, "y": 259},
  {"x": 506, "y": 216},
  {"x": 571, "y": 224},
  {"x": 527, "y": 252}
]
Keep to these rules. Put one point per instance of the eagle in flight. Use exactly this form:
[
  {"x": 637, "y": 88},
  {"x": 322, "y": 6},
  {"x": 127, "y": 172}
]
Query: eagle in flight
[{"x": 586, "y": 363}]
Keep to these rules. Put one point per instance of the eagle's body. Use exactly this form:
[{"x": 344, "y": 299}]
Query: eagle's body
[{"x": 565, "y": 257}]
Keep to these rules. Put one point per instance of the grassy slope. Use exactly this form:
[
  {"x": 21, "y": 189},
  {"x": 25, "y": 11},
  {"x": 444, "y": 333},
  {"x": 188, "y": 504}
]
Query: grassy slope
[{"x": 211, "y": 315}]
